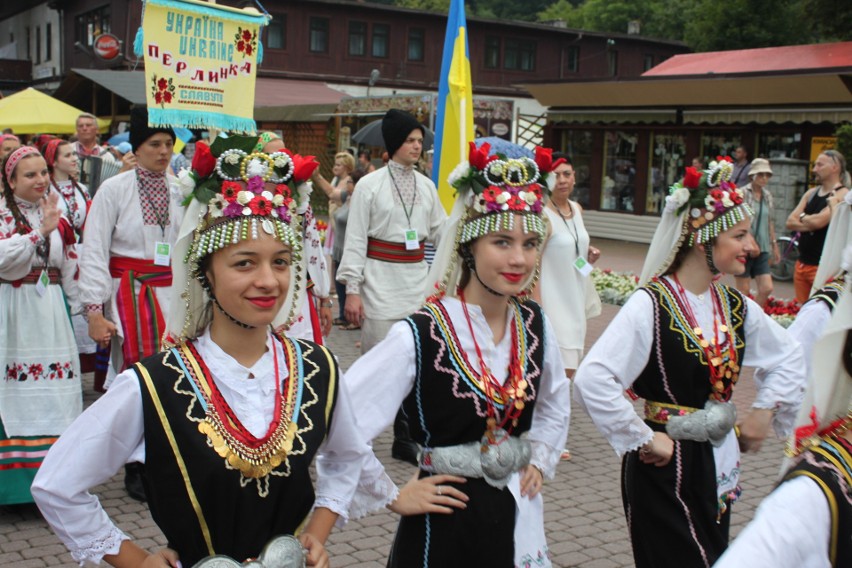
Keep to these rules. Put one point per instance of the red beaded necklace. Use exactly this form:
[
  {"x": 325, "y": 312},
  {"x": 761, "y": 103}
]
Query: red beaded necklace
[
  {"x": 713, "y": 352},
  {"x": 511, "y": 394}
]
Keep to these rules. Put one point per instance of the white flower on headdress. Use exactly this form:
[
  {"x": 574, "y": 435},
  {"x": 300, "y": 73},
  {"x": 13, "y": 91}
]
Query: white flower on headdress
[
  {"x": 266, "y": 195},
  {"x": 281, "y": 161},
  {"x": 256, "y": 168},
  {"x": 671, "y": 204},
  {"x": 726, "y": 200},
  {"x": 278, "y": 200},
  {"x": 246, "y": 211},
  {"x": 186, "y": 183},
  {"x": 217, "y": 206},
  {"x": 496, "y": 168},
  {"x": 233, "y": 158},
  {"x": 244, "y": 197},
  {"x": 708, "y": 202},
  {"x": 528, "y": 196},
  {"x": 681, "y": 196},
  {"x": 458, "y": 172},
  {"x": 502, "y": 198},
  {"x": 479, "y": 205}
]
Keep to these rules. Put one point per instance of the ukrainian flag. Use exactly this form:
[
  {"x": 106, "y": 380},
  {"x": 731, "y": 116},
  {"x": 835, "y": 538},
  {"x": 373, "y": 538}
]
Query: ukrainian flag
[{"x": 454, "y": 124}]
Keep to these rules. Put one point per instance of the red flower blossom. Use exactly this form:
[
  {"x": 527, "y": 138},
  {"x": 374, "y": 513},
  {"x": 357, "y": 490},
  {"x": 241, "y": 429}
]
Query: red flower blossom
[
  {"x": 249, "y": 49},
  {"x": 478, "y": 157},
  {"x": 230, "y": 189},
  {"x": 544, "y": 160},
  {"x": 303, "y": 167},
  {"x": 246, "y": 35},
  {"x": 516, "y": 203},
  {"x": 260, "y": 205},
  {"x": 167, "y": 96},
  {"x": 283, "y": 189},
  {"x": 736, "y": 197},
  {"x": 241, "y": 46},
  {"x": 491, "y": 192},
  {"x": 158, "y": 97},
  {"x": 691, "y": 178},
  {"x": 203, "y": 161},
  {"x": 716, "y": 194},
  {"x": 162, "y": 84}
]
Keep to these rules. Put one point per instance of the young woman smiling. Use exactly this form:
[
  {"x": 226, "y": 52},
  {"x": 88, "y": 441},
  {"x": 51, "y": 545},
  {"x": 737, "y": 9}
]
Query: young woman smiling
[
  {"x": 40, "y": 391},
  {"x": 680, "y": 343},
  {"x": 478, "y": 373},
  {"x": 229, "y": 417}
]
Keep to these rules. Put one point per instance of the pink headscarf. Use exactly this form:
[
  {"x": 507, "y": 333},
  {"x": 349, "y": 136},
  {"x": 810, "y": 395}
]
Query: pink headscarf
[{"x": 17, "y": 156}]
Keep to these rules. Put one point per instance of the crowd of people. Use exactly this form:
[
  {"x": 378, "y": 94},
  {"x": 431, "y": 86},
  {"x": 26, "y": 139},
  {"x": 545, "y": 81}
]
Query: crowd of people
[{"x": 203, "y": 297}]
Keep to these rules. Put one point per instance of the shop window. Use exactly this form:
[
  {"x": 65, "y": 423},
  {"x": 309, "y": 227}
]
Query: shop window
[
  {"x": 381, "y": 40},
  {"x": 665, "y": 166},
  {"x": 38, "y": 45},
  {"x": 48, "y": 39},
  {"x": 578, "y": 145},
  {"x": 648, "y": 61},
  {"x": 774, "y": 145},
  {"x": 318, "y": 39},
  {"x": 92, "y": 24},
  {"x": 276, "y": 32},
  {"x": 416, "y": 44},
  {"x": 519, "y": 55},
  {"x": 718, "y": 144},
  {"x": 358, "y": 38},
  {"x": 618, "y": 187},
  {"x": 492, "y": 52}
]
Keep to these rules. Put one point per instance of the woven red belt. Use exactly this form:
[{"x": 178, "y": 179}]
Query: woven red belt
[
  {"x": 53, "y": 275},
  {"x": 387, "y": 251}
]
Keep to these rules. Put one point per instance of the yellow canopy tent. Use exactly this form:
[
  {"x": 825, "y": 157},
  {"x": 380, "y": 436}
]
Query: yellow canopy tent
[{"x": 30, "y": 112}]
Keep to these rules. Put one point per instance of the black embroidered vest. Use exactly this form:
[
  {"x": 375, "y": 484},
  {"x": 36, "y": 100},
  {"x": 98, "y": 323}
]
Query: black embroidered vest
[
  {"x": 447, "y": 405},
  {"x": 829, "y": 465},
  {"x": 677, "y": 371},
  {"x": 202, "y": 504}
]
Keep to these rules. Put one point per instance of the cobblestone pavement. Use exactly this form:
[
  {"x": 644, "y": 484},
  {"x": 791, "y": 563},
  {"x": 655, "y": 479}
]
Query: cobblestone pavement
[{"x": 583, "y": 511}]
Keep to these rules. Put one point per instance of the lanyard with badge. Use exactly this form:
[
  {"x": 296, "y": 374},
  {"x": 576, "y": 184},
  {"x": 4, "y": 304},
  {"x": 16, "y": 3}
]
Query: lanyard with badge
[
  {"x": 162, "y": 249},
  {"x": 43, "y": 253},
  {"x": 581, "y": 265},
  {"x": 411, "y": 240}
]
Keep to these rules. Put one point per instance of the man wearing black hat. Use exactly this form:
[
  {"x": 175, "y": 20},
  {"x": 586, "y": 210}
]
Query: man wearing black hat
[
  {"x": 125, "y": 268},
  {"x": 394, "y": 211}
]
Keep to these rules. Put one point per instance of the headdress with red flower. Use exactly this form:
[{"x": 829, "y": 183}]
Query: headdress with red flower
[
  {"x": 497, "y": 185},
  {"x": 714, "y": 203}
]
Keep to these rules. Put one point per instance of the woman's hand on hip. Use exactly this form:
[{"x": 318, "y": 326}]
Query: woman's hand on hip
[
  {"x": 429, "y": 495},
  {"x": 658, "y": 451}
]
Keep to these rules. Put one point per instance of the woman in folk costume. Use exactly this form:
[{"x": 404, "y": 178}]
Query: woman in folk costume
[
  {"x": 807, "y": 520},
  {"x": 40, "y": 391},
  {"x": 230, "y": 416},
  {"x": 478, "y": 372},
  {"x": 679, "y": 343}
]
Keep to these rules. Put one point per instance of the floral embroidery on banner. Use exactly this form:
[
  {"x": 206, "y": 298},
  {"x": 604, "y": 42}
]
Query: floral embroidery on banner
[
  {"x": 21, "y": 372},
  {"x": 541, "y": 558}
]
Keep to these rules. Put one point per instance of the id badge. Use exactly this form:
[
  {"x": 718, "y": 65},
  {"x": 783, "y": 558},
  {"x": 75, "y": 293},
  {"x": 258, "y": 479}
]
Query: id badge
[
  {"x": 41, "y": 285},
  {"x": 162, "y": 253},
  {"x": 583, "y": 266},
  {"x": 411, "y": 240}
]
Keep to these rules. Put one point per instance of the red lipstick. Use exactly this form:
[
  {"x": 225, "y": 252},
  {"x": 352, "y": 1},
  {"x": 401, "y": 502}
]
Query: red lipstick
[{"x": 265, "y": 302}]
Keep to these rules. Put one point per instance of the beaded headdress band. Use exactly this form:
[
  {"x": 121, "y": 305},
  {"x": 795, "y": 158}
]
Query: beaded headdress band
[
  {"x": 714, "y": 203},
  {"x": 242, "y": 192},
  {"x": 17, "y": 156}
]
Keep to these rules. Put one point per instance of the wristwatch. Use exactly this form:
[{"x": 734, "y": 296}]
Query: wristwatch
[
  {"x": 326, "y": 303},
  {"x": 802, "y": 216}
]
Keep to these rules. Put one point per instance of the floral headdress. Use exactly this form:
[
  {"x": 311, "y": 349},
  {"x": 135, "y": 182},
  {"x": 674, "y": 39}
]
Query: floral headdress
[
  {"x": 496, "y": 188},
  {"x": 231, "y": 193},
  {"x": 490, "y": 190},
  {"x": 698, "y": 208}
]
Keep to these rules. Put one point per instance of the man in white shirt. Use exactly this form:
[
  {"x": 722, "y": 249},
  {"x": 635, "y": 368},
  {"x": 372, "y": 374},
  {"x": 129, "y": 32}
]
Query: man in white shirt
[{"x": 395, "y": 210}]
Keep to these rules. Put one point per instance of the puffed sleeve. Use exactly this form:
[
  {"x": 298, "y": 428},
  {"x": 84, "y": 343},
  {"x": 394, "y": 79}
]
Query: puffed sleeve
[
  {"x": 17, "y": 252},
  {"x": 552, "y": 414},
  {"x": 780, "y": 367},
  {"x": 791, "y": 529},
  {"x": 351, "y": 269},
  {"x": 389, "y": 369},
  {"x": 95, "y": 280},
  {"x": 611, "y": 367},
  {"x": 88, "y": 453}
]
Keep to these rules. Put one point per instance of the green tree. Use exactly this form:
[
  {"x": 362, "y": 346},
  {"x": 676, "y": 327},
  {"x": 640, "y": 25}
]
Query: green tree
[{"x": 746, "y": 24}]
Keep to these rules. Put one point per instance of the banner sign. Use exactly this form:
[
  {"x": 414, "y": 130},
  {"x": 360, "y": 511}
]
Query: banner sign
[{"x": 200, "y": 64}]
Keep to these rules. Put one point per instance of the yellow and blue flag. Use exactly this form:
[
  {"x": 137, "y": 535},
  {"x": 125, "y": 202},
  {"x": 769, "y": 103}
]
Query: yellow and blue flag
[{"x": 454, "y": 121}]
